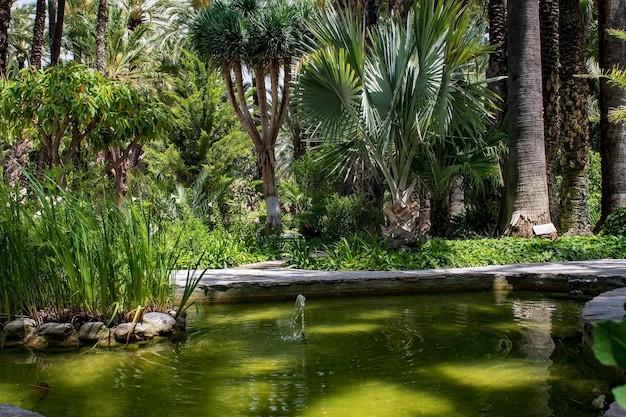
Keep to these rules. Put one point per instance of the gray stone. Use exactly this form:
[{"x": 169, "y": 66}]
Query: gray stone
[
  {"x": 615, "y": 411},
  {"x": 19, "y": 328},
  {"x": 56, "y": 330},
  {"x": 92, "y": 331},
  {"x": 8, "y": 410},
  {"x": 161, "y": 322},
  {"x": 139, "y": 332}
]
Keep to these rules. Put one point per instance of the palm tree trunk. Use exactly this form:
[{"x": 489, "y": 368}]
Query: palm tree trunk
[
  {"x": 5, "y": 21},
  {"x": 575, "y": 131},
  {"x": 39, "y": 27},
  {"x": 101, "y": 36},
  {"x": 549, "y": 21},
  {"x": 57, "y": 35},
  {"x": 527, "y": 187},
  {"x": 612, "y": 14},
  {"x": 16, "y": 163},
  {"x": 497, "y": 59}
]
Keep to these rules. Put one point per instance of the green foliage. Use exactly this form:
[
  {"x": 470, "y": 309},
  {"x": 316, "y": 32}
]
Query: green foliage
[
  {"x": 416, "y": 83},
  {"x": 615, "y": 223},
  {"x": 365, "y": 254},
  {"x": 595, "y": 188},
  {"x": 610, "y": 349},
  {"x": 65, "y": 253},
  {"x": 204, "y": 130},
  {"x": 69, "y": 107},
  {"x": 248, "y": 31}
]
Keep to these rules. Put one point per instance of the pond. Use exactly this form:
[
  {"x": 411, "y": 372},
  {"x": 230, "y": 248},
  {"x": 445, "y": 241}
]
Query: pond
[{"x": 477, "y": 354}]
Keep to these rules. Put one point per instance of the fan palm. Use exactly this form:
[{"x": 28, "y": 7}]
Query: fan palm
[{"x": 379, "y": 104}]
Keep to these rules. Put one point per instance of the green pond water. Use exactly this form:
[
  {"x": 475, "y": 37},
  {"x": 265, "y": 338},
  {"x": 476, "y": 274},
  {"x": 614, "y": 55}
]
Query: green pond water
[{"x": 424, "y": 355}]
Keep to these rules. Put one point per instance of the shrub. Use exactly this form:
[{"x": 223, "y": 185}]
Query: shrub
[{"x": 615, "y": 223}]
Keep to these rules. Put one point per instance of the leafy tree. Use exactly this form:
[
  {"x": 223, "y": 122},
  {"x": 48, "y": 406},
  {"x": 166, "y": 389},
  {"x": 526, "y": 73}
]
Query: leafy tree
[
  {"x": 202, "y": 118},
  {"x": 70, "y": 106},
  {"x": 264, "y": 37}
]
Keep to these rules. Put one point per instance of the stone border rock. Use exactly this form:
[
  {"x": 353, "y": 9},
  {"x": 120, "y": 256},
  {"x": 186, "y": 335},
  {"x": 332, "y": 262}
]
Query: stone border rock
[
  {"x": 8, "y": 410},
  {"x": 24, "y": 332}
]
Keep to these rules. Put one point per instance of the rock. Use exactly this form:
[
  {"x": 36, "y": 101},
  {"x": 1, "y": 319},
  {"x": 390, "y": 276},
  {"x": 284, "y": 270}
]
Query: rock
[
  {"x": 140, "y": 332},
  {"x": 615, "y": 411},
  {"x": 8, "y": 410},
  {"x": 109, "y": 340},
  {"x": 19, "y": 328},
  {"x": 56, "y": 330},
  {"x": 161, "y": 322},
  {"x": 92, "y": 331}
]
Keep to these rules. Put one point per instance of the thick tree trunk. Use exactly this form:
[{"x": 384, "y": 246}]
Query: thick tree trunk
[
  {"x": 612, "y": 15},
  {"x": 575, "y": 132},
  {"x": 549, "y": 20},
  {"x": 497, "y": 59},
  {"x": 101, "y": 36},
  {"x": 527, "y": 187},
  {"x": 39, "y": 27},
  {"x": 5, "y": 21}
]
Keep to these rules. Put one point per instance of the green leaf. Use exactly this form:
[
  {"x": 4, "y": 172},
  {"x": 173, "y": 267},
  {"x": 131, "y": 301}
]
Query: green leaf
[
  {"x": 610, "y": 343},
  {"x": 620, "y": 395}
]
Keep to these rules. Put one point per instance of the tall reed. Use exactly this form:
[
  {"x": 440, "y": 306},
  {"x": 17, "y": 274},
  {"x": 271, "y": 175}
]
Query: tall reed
[{"x": 61, "y": 252}]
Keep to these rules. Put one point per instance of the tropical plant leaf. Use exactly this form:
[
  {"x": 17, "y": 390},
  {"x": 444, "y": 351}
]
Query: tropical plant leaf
[{"x": 610, "y": 343}]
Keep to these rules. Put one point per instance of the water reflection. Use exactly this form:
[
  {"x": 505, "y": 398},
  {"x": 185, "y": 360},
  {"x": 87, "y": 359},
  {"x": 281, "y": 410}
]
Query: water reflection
[{"x": 461, "y": 355}]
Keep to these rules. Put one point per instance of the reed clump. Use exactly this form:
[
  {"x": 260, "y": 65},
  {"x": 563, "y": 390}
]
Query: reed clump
[{"x": 67, "y": 254}]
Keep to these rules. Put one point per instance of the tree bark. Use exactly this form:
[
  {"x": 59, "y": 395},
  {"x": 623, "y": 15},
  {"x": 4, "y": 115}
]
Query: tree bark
[
  {"x": 101, "y": 37},
  {"x": 527, "y": 187},
  {"x": 267, "y": 163},
  {"x": 549, "y": 21},
  {"x": 575, "y": 131},
  {"x": 55, "y": 50},
  {"x": 39, "y": 27},
  {"x": 5, "y": 21},
  {"x": 612, "y": 15},
  {"x": 497, "y": 59},
  {"x": 16, "y": 163}
]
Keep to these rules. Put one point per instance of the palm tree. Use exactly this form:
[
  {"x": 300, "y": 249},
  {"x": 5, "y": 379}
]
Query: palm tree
[
  {"x": 527, "y": 202},
  {"x": 261, "y": 38},
  {"x": 612, "y": 15},
  {"x": 575, "y": 131},
  {"x": 5, "y": 21},
  {"x": 411, "y": 87},
  {"x": 549, "y": 21}
]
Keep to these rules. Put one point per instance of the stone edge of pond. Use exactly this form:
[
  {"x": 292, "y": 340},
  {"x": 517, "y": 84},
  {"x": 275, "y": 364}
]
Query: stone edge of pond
[
  {"x": 274, "y": 283},
  {"x": 25, "y": 333}
]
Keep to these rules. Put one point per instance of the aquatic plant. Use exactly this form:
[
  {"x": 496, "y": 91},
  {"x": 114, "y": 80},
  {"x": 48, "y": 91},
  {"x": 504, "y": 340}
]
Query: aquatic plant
[{"x": 63, "y": 253}]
